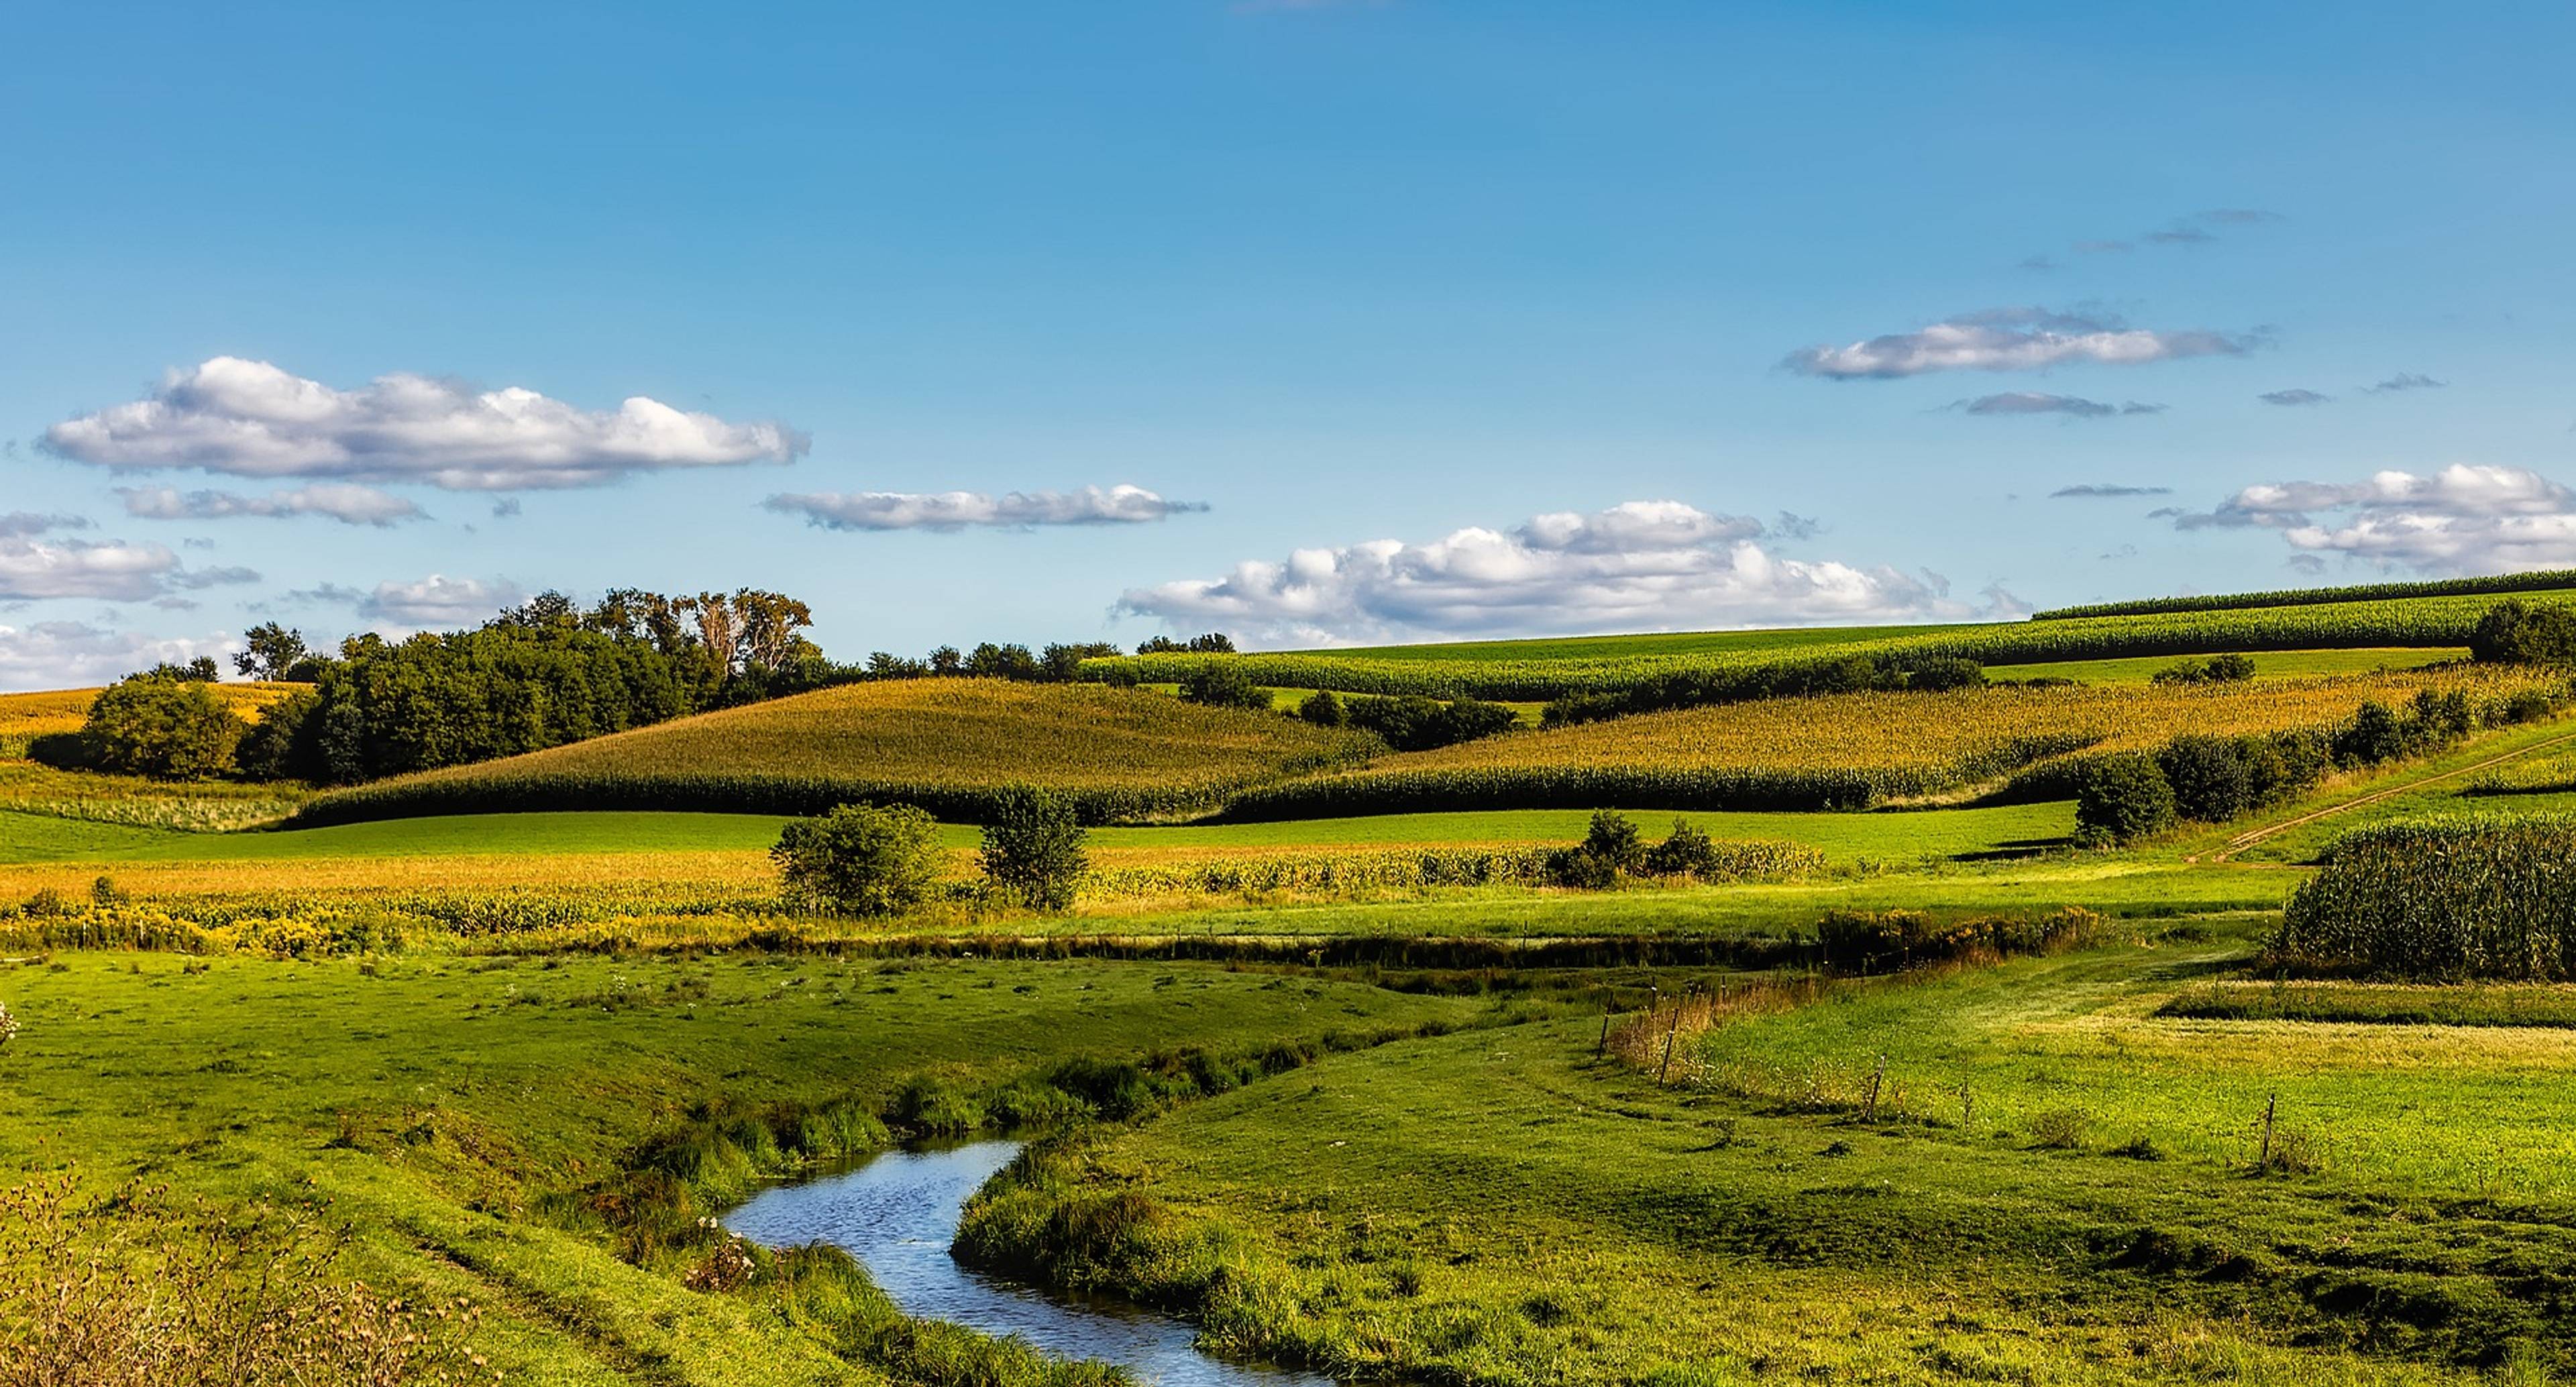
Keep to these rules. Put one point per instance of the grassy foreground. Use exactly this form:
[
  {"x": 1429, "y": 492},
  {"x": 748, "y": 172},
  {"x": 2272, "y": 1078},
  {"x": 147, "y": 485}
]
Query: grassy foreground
[{"x": 434, "y": 1106}]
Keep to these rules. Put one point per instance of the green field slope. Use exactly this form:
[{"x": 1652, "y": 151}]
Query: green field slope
[
  {"x": 946, "y": 744},
  {"x": 1544, "y": 669}
]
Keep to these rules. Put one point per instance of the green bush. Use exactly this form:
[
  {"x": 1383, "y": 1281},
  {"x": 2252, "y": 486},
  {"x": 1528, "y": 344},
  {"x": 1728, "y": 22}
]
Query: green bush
[
  {"x": 2211, "y": 777},
  {"x": 1223, "y": 684},
  {"x": 2519, "y": 633},
  {"x": 1032, "y": 850},
  {"x": 1323, "y": 709},
  {"x": 162, "y": 727},
  {"x": 2125, "y": 797},
  {"x": 862, "y": 858},
  {"x": 1685, "y": 852}
]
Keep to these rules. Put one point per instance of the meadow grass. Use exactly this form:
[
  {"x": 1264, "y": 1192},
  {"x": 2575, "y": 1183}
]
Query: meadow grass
[
  {"x": 1504, "y": 1207},
  {"x": 440, "y": 1106}
]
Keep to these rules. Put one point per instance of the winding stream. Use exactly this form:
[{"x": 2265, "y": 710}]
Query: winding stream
[{"x": 897, "y": 1215}]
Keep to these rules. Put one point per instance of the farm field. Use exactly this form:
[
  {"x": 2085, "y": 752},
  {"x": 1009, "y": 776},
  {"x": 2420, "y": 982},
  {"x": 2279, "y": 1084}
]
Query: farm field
[
  {"x": 2093, "y": 1216},
  {"x": 1369, "y": 1093}
]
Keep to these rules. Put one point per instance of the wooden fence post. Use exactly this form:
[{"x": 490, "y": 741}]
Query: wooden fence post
[{"x": 2271, "y": 1105}]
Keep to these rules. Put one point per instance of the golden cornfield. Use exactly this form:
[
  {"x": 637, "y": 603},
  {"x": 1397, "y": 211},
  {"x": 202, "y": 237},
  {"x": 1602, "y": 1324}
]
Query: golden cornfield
[{"x": 1850, "y": 750}]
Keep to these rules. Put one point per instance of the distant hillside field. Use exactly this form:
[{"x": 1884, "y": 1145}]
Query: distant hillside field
[
  {"x": 1846, "y": 751},
  {"x": 1542, "y": 669},
  {"x": 945, "y": 744}
]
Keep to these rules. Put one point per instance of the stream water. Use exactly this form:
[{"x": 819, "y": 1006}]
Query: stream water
[{"x": 897, "y": 1215}]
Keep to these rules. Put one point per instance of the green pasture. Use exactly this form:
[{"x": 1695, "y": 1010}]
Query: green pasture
[
  {"x": 435, "y": 1104},
  {"x": 1506, "y": 1207}
]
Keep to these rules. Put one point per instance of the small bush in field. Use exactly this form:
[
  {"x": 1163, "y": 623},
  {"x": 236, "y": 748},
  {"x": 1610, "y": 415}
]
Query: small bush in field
[
  {"x": 2060, "y": 1129},
  {"x": 2125, "y": 797},
  {"x": 863, "y": 858},
  {"x": 1033, "y": 849},
  {"x": 1687, "y": 852}
]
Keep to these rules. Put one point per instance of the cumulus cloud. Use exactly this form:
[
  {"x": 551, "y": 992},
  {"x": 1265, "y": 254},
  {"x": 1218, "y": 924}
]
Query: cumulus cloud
[
  {"x": 1641, "y": 565},
  {"x": 2405, "y": 380},
  {"x": 346, "y": 502},
  {"x": 249, "y": 418},
  {"x": 2293, "y": 398},
  {"x": 33, "y": 569},
  {"x": 2009, "y": 339},
  {"x": 2462, "y": 518},
  {"x": 956, "y": 510},
  {"x": 2101, "y": 489},
  {"x": 20, "y": 523},
  {"x": 71, "y": 654},
  {"x": 437, "y": 602},
  {"x": 2035, "y": 402}
]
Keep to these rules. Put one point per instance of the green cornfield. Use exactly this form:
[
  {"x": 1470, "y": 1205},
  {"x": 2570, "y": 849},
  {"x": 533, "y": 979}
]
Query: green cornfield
[
  {"x": 1491, "y": 671},
  {"x": 947, "y": 745},
  {"x": 2554, "y": 580},
  {"x": 2474, "y": 896}
]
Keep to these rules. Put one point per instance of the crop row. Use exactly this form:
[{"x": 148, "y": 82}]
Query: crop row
[
  {"x": 2475, "y": 896},
  {"x": 1850, "y": 751},
  {"x": 2554, "y": 580},
  {"x": 2426, "y": 621}
]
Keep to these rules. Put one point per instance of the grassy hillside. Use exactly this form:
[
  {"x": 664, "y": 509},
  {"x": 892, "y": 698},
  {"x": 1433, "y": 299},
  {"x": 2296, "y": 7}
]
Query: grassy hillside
[
  {"x": 946, "y": 744},
  {"x": 1549, "y": 668},
  {"x": 1844, "y": 750}
]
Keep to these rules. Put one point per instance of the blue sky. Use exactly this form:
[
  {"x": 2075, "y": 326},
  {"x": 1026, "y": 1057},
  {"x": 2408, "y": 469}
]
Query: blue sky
[{"x": 1355, "y": 278}]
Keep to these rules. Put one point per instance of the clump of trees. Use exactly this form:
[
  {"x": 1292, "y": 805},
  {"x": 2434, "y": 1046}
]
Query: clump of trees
[
  {"x": 1700, "y": 688},
  {"x": 1612, "y": 847},
  {"x": 2519, "y": 633},
  {"x": 2217, "y": 669},
  {"x": 165, "y": 723},
  {"x": 2206, "y": 779},
  {"x": 1221, "y": 684},
  {"x": 1412, "y": 722},
  {"x": 1213, "y": 643}
]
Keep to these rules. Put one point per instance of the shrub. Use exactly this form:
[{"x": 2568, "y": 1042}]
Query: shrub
[
  {"x": 8, "y": 1024},
  {"x": 1416, "y": 723},
  {"x": 2060, "y": 1129},
  {"x": 1223, "y": 684},
  {"x": 280, "y": 745},
  {"x": 1609, "y": 847},
  {"x": 2124, "y": 797},
  {"x": 862, "y": 858},
  {"x": 165, "y": 728},
  {"x": 1686, "y": 852},
  {"x": 2519, "y": 633},
  {"x": 2211, "y": 779},
  {"x": 1032, "y": 850},
  {"x": 1323, "y": 709}
]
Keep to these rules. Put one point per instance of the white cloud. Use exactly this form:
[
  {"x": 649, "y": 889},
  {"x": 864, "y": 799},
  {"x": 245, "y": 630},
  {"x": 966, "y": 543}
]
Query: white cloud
[
  {"x": 346, "y": 502},
  {"x": 249, "y": 418},
  {"x": 1642, "y": 565},
  {"x": 439, "y": 603},
  {"x": 955, "y": 510},
  {"x": 114, "y": 570},
  {"x": 18, "y": 523},
  {"x": 70, "y": 654},
  {"x": 2009, "y": 339},
  {"x": 2463, "y": 518}
]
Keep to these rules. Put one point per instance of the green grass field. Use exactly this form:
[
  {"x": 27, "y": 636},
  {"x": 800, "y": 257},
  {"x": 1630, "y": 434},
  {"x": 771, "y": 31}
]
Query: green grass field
[{"x": 1505, "y": 1207}]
